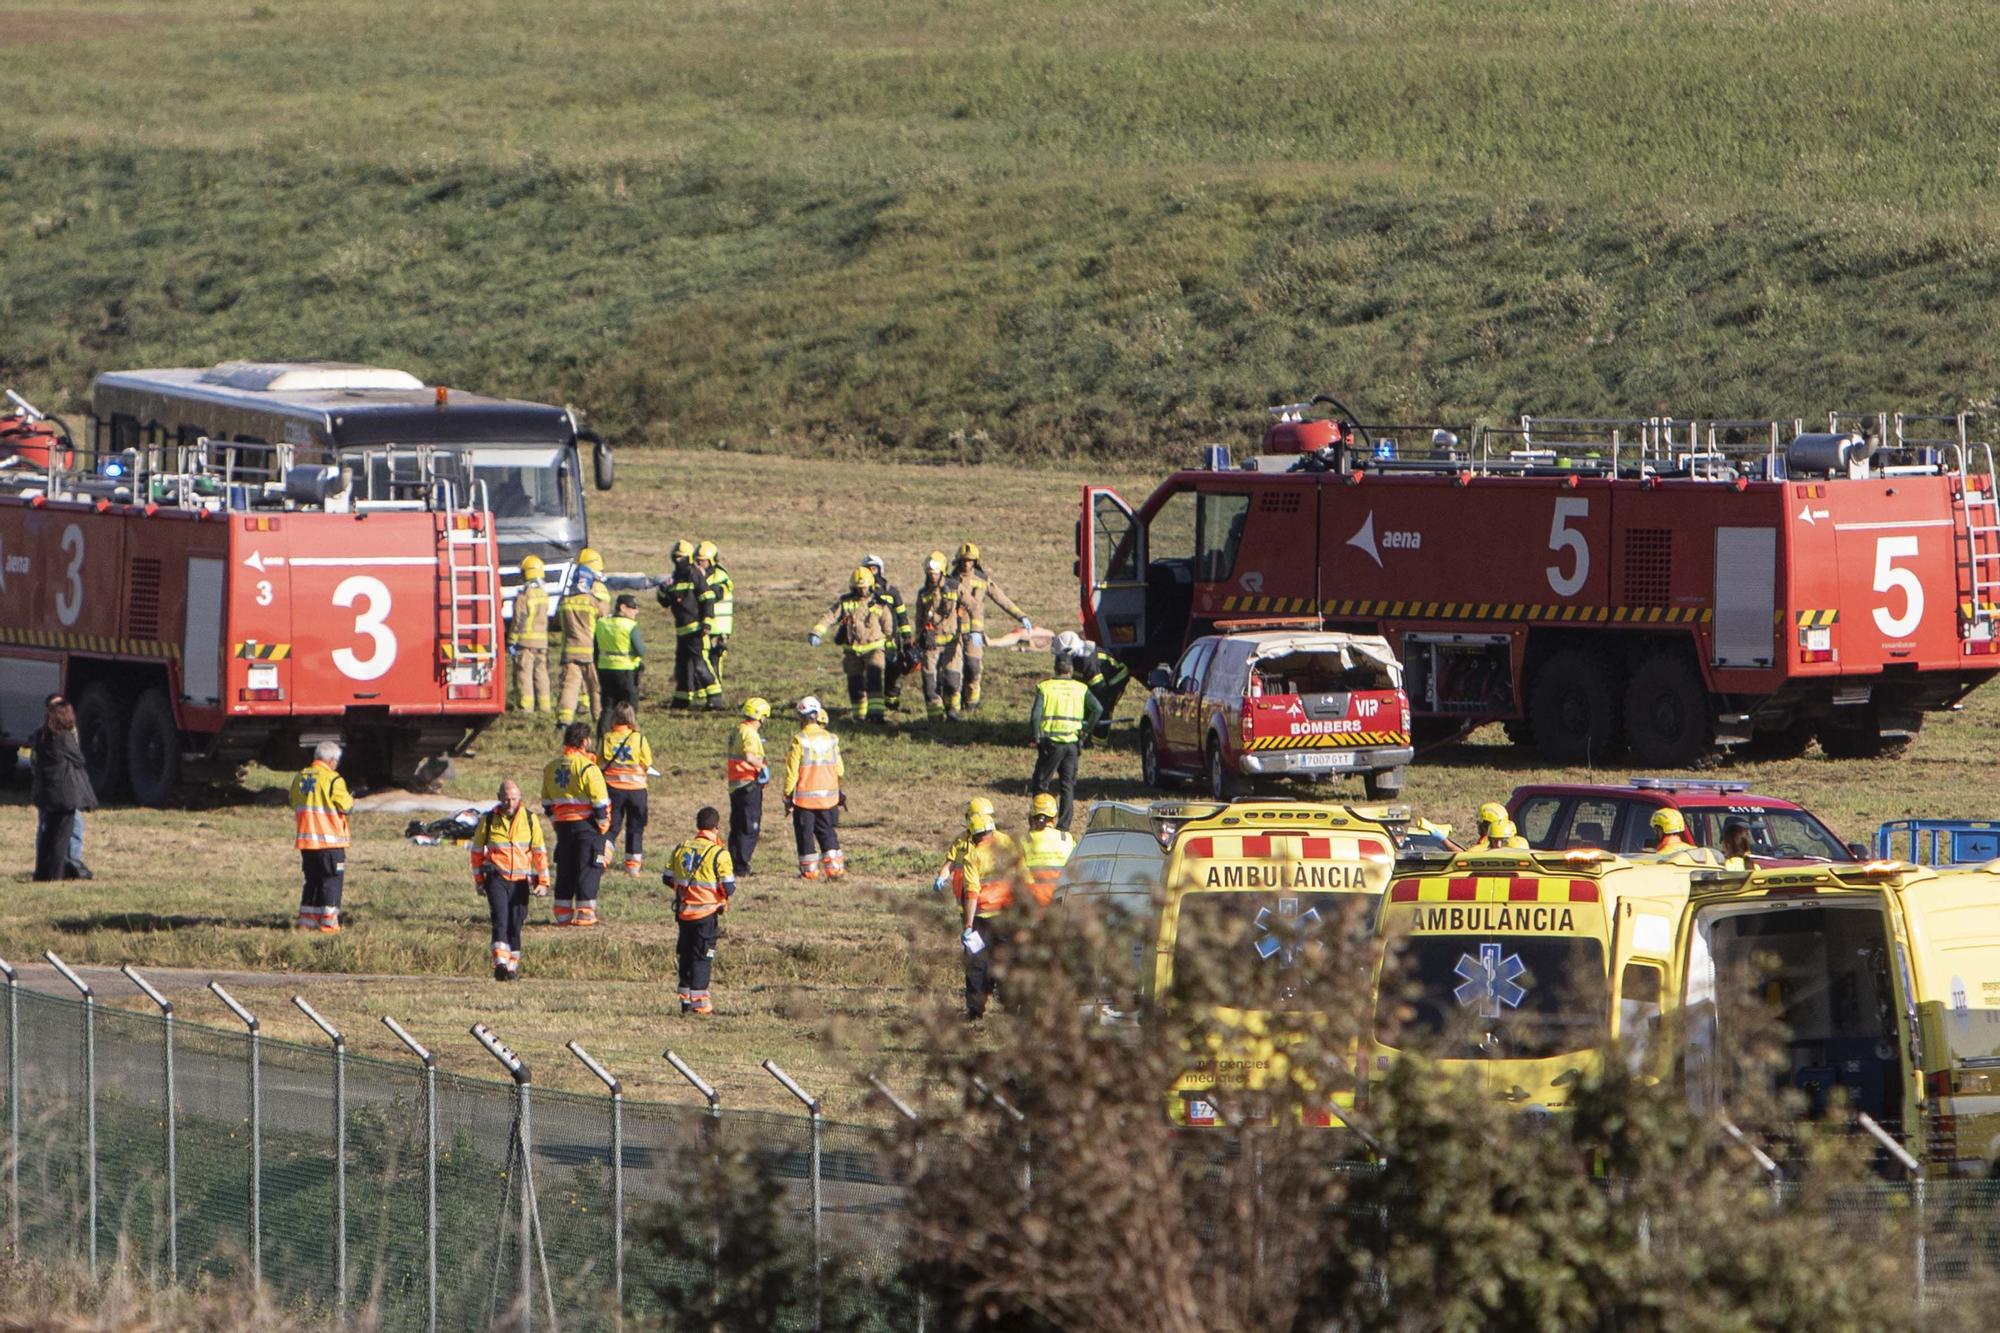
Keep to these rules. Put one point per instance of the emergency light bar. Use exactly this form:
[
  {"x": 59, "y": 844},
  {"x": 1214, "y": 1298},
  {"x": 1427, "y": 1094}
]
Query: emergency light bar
[{"x": 1719, "y": 785}]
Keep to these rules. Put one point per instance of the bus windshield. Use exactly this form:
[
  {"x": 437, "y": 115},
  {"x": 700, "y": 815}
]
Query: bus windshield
[
  {"x": 1498, "y": 997},
  {"x": 1271, "y": 952},
  {"x": 527, "y": 482}
]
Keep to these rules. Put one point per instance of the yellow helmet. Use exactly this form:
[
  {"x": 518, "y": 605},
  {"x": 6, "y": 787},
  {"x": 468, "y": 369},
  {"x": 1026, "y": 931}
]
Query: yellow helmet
[
  {"x": 1502, "y": 829},
  {"x": 1044, "y": 805},
  {"x": 978, "y": 815},
  {"x": 683, "y": 549},
  {"x": 756, "y": 708},
  {"x": 532, "y": 567},
  {"x": 590, "y": 559},
  {"x": 936, "y": 563},
  {"x": 967, "y": 551},
  {"x": 1491, "y": 813},
  {"x": 706, "y": 551},
  {"x": 864, "y": 577},
  {"x": 1668, "y": 821}
]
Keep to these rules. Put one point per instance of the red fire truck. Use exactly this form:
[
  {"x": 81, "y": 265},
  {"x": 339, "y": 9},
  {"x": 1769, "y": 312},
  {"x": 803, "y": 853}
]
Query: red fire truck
[
  {"x": 1663, "y": 584},
  {"x": 199, "y": 623}
]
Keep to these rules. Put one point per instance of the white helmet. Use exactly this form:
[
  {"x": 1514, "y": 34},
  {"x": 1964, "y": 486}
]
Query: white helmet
[
  {"x": 809, "y": 708},
  {"x": 1069, "y": 643}
]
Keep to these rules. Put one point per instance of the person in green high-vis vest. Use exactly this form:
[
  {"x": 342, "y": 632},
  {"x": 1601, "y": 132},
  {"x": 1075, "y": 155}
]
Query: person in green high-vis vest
[
  {"x": 621, "y": 653},
  {"x": 1064, "y": 711}
]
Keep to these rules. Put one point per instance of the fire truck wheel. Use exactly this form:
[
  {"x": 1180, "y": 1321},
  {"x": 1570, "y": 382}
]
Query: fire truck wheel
[
  {"x": 1787, "y": 742},
  {"x": 1519, "y": 731},
  {"x": 1574, "y": 708},
  {"x": 153, "y": 749},
  {"x": 1860, "y": 743},
  {"x": 103, "y": 725},
  {"x": 1667, "y": 717},
  {"x": 1222, "y": 784}
]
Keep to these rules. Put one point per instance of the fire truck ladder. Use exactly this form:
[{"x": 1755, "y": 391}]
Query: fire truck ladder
[
  {"x": 1978, "y": 501},
  {"x": 467, "y": 593}
]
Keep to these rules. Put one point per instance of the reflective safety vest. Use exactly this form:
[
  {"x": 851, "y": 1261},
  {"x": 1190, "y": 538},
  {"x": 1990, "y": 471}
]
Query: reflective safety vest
[
  {"x": 746, "y": 756},
  {"x": 320, "y": 801},
  {"x": 627, "y": 755},
  {"x": 813, "y": 769},
  {"x": 573, "y": 790},
  {"x": 1044, "y": 853},
  {"x": 704, "y": 877},
  {"x": 510, "y": 848},
  {"x": 529, "y": 626},
  {"x": 577, "y": 616},
  {"x": 721, "y": 597},
  {"x": 979, "y": 868},
  {"x": 1062, "y": 709},
  {"x": 618, "y": 644}
]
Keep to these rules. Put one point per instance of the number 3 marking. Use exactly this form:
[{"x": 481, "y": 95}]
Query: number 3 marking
[
  {"x": 263, "y": 592},
  {"x": 1889, "y": 578},
  {"x": 69, "y": 600},
  {"x": 1562, "y": 536},
  {"x": 371, "y": 621}
]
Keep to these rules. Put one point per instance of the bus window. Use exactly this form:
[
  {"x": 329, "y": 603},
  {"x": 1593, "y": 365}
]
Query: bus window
[{"x": 528, "y": 482}]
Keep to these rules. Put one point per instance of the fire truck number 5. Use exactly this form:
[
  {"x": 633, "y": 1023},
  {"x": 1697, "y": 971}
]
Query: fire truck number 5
[
  {"x": 1889, "y": 578},
  {"x": 1564, "y": 537},
  {"x": 370, "y": 621}
]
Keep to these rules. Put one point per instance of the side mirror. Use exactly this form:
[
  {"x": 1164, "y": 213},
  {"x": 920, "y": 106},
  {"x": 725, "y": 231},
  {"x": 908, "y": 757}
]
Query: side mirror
[
  {"x": 1159, "y": 678},
  {"x": 1857, "y": 851},
  {"x": 603, "y": 465}
]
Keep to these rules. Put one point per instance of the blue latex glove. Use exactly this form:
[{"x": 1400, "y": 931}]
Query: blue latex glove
[
  {"x": 1027, "y": 623},
  {"x": 763, "y": 777},
  {"x": 941, "y": 883},
  {"x": 813, "y": 639},
  {"x": 977, "y": 638}
]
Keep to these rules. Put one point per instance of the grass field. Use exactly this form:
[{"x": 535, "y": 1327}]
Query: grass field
[
  {"x": 1003, "y": 229},
  {"x": 808, "y": 975}
]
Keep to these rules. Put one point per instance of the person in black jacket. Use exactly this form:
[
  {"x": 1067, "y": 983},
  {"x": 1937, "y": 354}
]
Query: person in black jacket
[{"x": 62, "y": 789}]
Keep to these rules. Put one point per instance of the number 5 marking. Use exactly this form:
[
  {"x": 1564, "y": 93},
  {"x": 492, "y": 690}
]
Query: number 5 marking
[
  {"x": 370, "y": 621},
  {"x": 1889, "y": 578},
  {"x": 69, "y": 600},
  {"x": 1561, "y": 537}
]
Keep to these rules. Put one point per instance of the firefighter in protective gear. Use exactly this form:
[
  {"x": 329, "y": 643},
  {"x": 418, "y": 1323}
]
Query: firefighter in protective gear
[
  {"x": 576, "y": 621},
  {"x": 1063, "y": 712},
  {"x": 626, "y": 757},
  {"x": 1670, "y": 831},
  {"x": 938, "y": 641},
  {"x": 621, "y": 656},
  {"x": 745, "y": 773},
  {"x": 1046, "y": 849},
  {"x": 813, "y": 772},
  {"x": 980, "y": 870},
  {"x": 578, "y": 804},
  {"x": 694, "y": 683},
  {"x": 718, "y": 602},
  {"x": 974, "y": 587},
  {"x": 1102, "y": 674},
  {"x": 510, "y": 861},
  {"x": 703, "y": 881},
  {"x": 320, "y": 805},
  {"x": 528, "y": 639},
  {"x": 1491, "y": 814},
  {"x": 863, "y": 628},
  {"x": 1501, "y": 836},
  {"x": 900, "y": 656}
]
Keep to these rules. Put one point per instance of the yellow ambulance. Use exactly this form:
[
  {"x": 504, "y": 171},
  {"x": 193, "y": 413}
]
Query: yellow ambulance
[{"x": 1519, "y": 966}]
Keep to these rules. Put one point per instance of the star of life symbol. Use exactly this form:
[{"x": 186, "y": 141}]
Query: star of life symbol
[
  {"x": 1282, "y": 932},
  {"x": 1490, "y": 980}
]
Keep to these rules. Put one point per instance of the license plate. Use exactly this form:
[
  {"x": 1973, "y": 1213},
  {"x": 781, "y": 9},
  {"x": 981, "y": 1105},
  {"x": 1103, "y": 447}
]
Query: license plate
[
  {"x": 263, "y": 676},
  {"x": 1324, "y": 759}
]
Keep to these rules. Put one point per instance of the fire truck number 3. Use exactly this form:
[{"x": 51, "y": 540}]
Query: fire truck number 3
[
  {"x": 1564, "y": 537},
  {"x": 69, "y": 597},
  {"x": 1888, "y": 578},
  {"x": 370, "y": 621}
]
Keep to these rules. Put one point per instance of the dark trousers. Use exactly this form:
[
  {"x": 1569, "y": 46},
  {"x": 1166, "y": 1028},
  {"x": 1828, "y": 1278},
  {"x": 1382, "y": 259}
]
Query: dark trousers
[
  {"x": 52, "y": 838},
  {"x": 1107, "y": 698},
  {"x": 507, "y": 902},
  {"x": 325, "y": 874},
  {"x": 1055, "y": 770},
  {"x": 628, "y": 812},
  {"x": 579, "y": 847},
  {"x": 693, "y": 681},
  {"x": 892, "y": 679},
  {"x": 615, "y": 687},
  {"x": 816, "y": 830},
  {"x": 746, "y": 823},
  {"x": 980, "y": 982},
  {"x": 696, "y": 953}
]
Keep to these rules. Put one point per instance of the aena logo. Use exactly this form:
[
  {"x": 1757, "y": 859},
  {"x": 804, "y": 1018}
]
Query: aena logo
[{"x": 1364, "y": 540}]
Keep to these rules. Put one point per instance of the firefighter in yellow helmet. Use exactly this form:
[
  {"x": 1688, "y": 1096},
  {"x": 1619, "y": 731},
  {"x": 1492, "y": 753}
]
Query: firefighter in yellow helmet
[
  {"x": 813, "y": 774},
  {"x": 1670, "y": 831},
  {"x": 1046, "y": 849},
  {"x": 974, "y": 588},
  {"x": 1501, "y": 835},
  {"x": 718, "y": 609},
  {"x": 681, "y": 593},
  {"x": 576, "y": 618},
  {"x": 980, "y": 870},
  {"x": 935, "y": 621},
  {"x": 863, "y": 627},
  {"x": 1490, "y": 814},
  {"x": 746, "y": 774},
  {"x": 528, "y": 639}
]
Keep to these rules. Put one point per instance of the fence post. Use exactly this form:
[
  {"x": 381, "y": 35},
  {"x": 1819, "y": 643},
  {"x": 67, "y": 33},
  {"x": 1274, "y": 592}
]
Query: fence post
[
  {"x": 902, "y": 1108},
  {"x": 166, "y": 1007},
  {"x": 530, "y": 1211},
  {"x": 339, "y": 1153},
  {"x": 89, "y": 1095},
  {"x": 617, "y": 1175},
  {"x": 1027, "y": 1149},
  {"x": 713, "y": 1128},
  {"x": 812, "y": 1106},
  {"x": 13, "y": 1110},
  {"x": 1917, "y": 1192},
  {"x": 430, "y": 1170},
  {"x": 249, "y": 1021}
]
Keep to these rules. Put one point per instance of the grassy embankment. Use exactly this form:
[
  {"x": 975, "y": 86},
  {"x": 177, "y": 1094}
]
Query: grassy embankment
[
  {"x": 1002, "y": 230},
  {"x": 808, "y": 975}
]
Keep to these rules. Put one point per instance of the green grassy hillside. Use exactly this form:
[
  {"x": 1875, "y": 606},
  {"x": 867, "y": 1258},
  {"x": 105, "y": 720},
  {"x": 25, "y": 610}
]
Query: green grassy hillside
[{"x": 983, "y": 228}]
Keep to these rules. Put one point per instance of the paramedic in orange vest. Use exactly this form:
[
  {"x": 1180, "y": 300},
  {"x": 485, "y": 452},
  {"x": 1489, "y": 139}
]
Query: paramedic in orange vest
[
  {"x": 704, "y": 881},
  {"x": 509, "y": 862},
  {"x": 320, "y": 802},
  {"x": 627, "y": 757},
  {"x": 979, "y": 868},
  {"x": 578, "y": 803},
  {"x": 812, "y": 794},
  {"x": 745, "y": 773},
  {"x": 1046, "y": 849}
]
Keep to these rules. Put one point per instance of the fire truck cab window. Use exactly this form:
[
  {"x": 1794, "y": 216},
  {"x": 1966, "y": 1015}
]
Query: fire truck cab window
[
  {"x": 1219, "y": 534},
  {"x": 1117, "y": 551},
  {"x": 1170, "y": 532}
]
